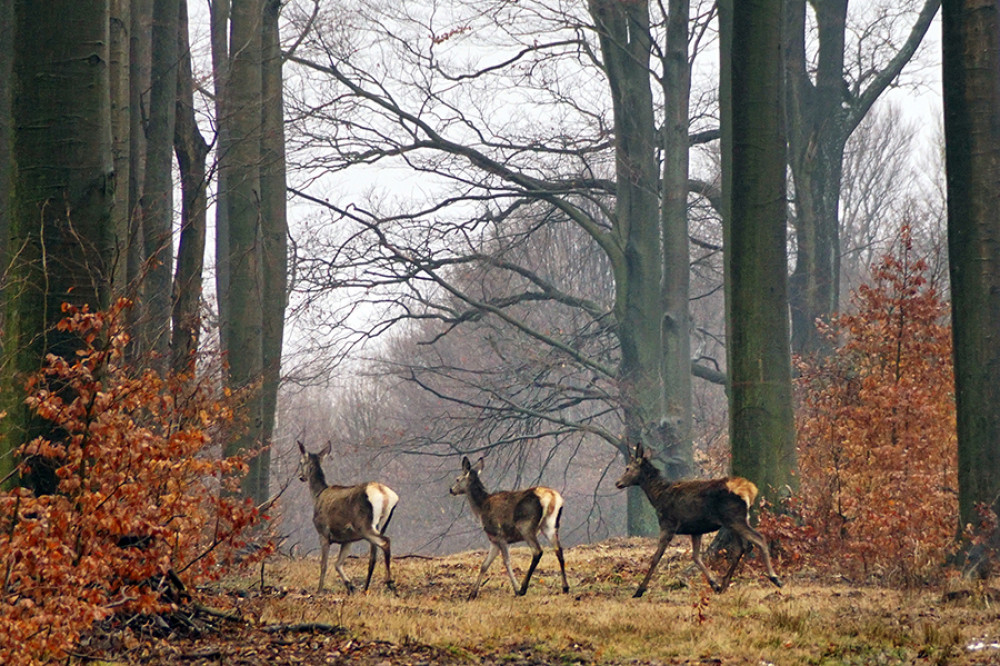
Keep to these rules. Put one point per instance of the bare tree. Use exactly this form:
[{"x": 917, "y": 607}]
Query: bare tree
[
  {"x": 192, "y": 156},
  {"x": 828, "y": 93},
  {"x": 499, "y": 180},
  {"x": 157, "y": 191}
]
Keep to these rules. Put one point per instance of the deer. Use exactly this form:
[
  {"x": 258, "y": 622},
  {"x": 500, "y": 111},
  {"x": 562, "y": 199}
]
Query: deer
[
  {"x": 696, "y": 508},
  {"x": 346, "y": 514},
  {"x": 511, "y": 516}
]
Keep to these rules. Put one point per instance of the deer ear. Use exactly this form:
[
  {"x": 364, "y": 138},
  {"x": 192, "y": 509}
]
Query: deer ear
[
  {"x": 480, "y": 464},
  {"x": 302, "y": 449},
  {"x": 326, "y": 449},
  {"x": 466, "y": 465},
  {"x": 640, "y": 451}
]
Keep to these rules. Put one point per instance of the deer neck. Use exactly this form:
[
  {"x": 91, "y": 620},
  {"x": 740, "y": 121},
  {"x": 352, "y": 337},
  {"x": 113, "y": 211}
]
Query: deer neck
[
  {"x": 317, "y": 481},
  {"x": 477, "y": 495},
  {"x": 653, "y": 484}
]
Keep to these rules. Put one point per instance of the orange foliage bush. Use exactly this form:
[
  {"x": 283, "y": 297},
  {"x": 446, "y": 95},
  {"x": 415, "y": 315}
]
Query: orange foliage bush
[
  {"x": 876, "y": 430},
  {"x": 139, "y": 496}
]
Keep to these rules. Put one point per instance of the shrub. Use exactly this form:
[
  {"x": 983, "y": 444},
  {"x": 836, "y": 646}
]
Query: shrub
[
  {"x": 876, "y": 429},
  {"x": 141, "y": 501}
]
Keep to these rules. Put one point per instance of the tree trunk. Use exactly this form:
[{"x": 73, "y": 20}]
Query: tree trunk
[
  {"x": 6, "y": 183},
  {"x": 971, "y": 57},
  {"x": 61, "y": 222},
  {"x": 675, "y": 429},
  {"x": 158, "y": 187},
  {"x": 120, "y": 73},
  {"x": 240, "y": 167},
  {"x": 625, "y": 44},
  {"x": 274, "y": 219},
  {"x": 220, "y": 75},
  {"x": 140, "y": 44},
  {"x": 192, "y": 153},
  {"x": 762, "y": 434}
]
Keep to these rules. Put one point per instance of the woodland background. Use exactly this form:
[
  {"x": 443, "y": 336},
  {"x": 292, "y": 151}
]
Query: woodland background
[{"x": 758, "y": 237}]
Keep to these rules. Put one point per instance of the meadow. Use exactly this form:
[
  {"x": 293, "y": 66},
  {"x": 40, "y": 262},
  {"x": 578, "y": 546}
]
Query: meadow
[{"x": 813, "y": 619}]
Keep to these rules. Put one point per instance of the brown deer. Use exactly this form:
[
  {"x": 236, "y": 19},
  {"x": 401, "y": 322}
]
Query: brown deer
[
  {"x": 696, "y": 508},
  {"x": 511, "y": 516},
  {"x": 345, "y": 514}
]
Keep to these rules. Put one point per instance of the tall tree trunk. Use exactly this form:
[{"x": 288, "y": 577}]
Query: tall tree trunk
[
  {"x": 140, "y": 58},
  {"x": 240, "y": 166},
  {"x": 192, "y": 153},
  {"x": 675, "y": 429},
  {"x": 274, "y": 220},
  {"x": 6, "y": 184},
  {"x": 158, "y": 186},
  {"x": 120, "y": 73},
  {"x": 625, "y": 44},
  {"x": 61, "y": 223},
  {"x": 220, "y": 75},
  {"x": 971, "y": 39},
  {"x": 761, "y": 432}
]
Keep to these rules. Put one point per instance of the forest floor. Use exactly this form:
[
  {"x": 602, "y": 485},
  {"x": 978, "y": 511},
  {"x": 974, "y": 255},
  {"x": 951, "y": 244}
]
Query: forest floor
[{"x": 811, "y": 620}]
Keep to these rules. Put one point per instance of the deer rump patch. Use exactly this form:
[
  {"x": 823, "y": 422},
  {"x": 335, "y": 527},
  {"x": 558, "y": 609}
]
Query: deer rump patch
[{"x": 382, "y": 500}]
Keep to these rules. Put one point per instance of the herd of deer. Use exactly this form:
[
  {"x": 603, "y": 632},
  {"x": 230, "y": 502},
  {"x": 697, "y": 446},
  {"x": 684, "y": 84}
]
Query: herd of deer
[{"x": 346, "y": 514}]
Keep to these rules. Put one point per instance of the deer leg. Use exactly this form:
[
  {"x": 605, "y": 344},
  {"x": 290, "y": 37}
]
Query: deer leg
[
  {"x": 372, "y": 555},
  {"x": 554, "y": 540},
  {"x": 735, "y": 561},
  {"x": 756, "y": 538},
  {"x": 379, "y": 541},
  {"x": 387, "y": 554},
  {"x": 339, "y": 566},
  {"x": 665, "y": 536},
  {"x": 505, "y": 554},
  {"x": 696, "y": 556},
  {"x": 324, "y": 550},
  {"x": 536, "y": 555},
  {"x": 490, "y": 556}
]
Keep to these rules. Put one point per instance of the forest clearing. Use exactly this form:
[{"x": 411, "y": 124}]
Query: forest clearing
[{"x": 814, "y": 619}]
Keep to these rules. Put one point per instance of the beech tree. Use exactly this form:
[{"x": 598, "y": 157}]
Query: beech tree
[
  {"x": 192, "y": 155},
  {"x": 761, "y": 430},
  {"x": 971, "y": 38},
  {"x": 156, "y": 202},
  {"x": 251, "y": 227},
  {"x": 61, "y": 238},
  {"x": 828, "y": 93}
]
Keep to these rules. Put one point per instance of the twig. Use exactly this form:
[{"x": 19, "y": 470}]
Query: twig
[{"x": 332, "y": 629}]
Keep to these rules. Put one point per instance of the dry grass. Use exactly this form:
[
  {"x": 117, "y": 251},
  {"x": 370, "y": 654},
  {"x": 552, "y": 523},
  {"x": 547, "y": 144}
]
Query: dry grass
[{"x": 809, "y": 621}]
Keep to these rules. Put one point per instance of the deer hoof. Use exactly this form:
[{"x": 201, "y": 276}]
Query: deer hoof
[
  {"x": 776, "y": 581},
  {"x": 565, "y": 589},
  {"x": 390, "y": 585},
  {"x": 638, "y": 593}
]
